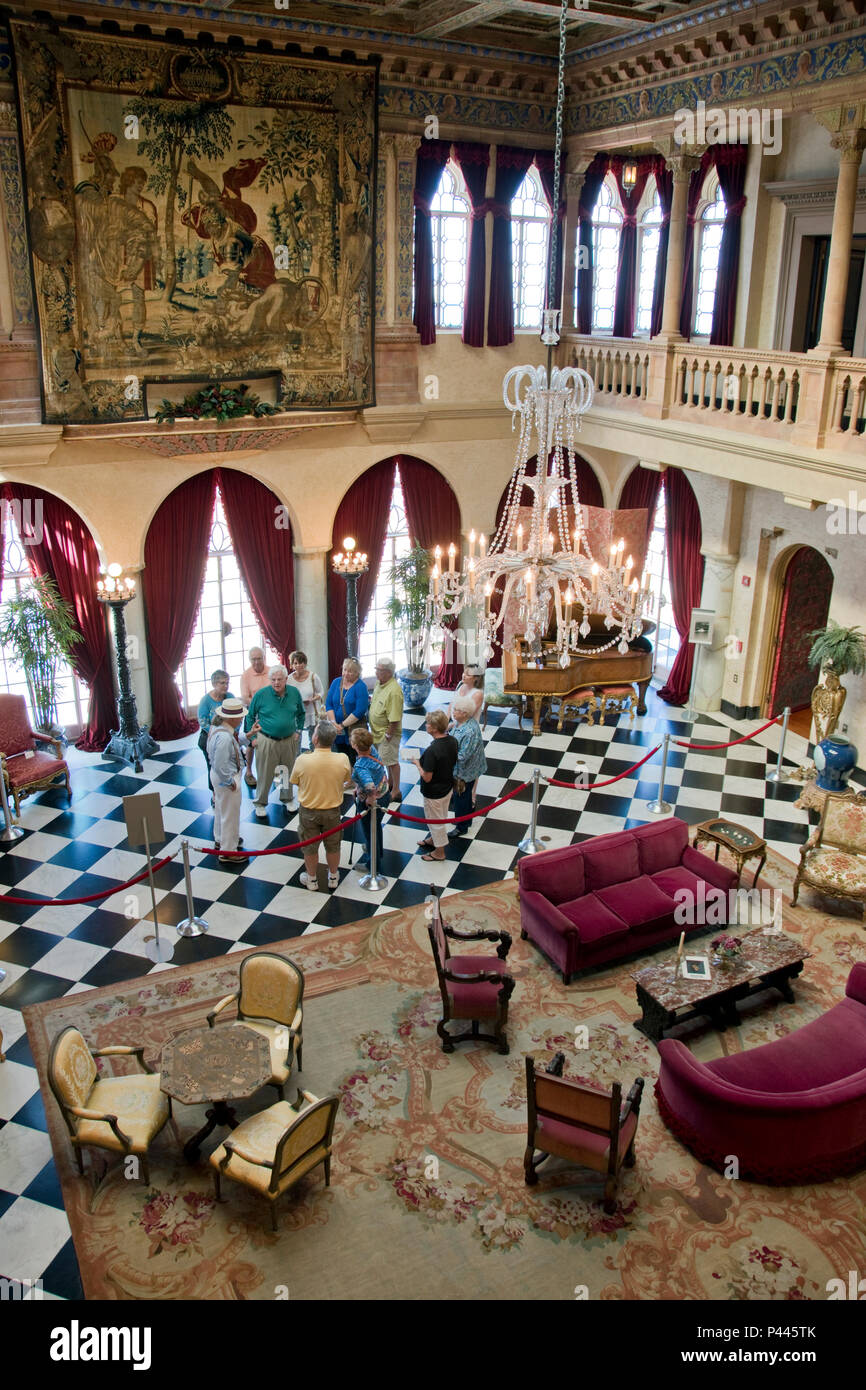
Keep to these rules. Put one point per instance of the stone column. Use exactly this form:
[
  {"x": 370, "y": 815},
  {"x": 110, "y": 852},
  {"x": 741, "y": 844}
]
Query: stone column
[
  {"x": 574, "y": 180},
  {"x": 396, "y": 335},
  {"x": 850, "y": 145},
  {"x": 717, "y": 594},
  {"x": 682, "y": 165},
  {"x": 311, "y": 607}
]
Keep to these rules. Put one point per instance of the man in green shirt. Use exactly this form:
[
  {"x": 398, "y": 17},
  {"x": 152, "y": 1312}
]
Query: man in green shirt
[
  {"x": 276, "y": 718},
  {"x": 386, "y": 722}
]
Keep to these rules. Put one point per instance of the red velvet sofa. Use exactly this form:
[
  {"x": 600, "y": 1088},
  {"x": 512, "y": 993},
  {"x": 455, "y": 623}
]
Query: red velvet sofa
[
  {"x": 791, "y": 1111},
  {"x": 613, "y": 895}
]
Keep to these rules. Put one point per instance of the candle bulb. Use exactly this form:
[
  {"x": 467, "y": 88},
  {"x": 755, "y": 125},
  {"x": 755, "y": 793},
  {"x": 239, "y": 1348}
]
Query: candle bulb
[
  {"x": 452, "y": 551},
  {"x": 613, "y": 554},
  {"x": 471, "y": 575},
  {"x": 620, "y": 548},
  {"x": 595, "y": 578},
  {"x": 519, "y": 535},
  {"x": 488, "y": 590},
  {"x": 471, "y": 543},
  {"x": 435, "y": 577},
  {"x": 550, "y": 542},
  {"x": 528, "y": 581},
  {"x": 628, "y": 564},
  {"x": 576, "y": 542},
  {"x": 482, "y": 544},
  {"x": 634, "y": 592},
  {"x": 569, "y": 600}
]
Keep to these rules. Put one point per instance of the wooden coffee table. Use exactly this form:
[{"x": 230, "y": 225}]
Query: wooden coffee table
[
  {"x": 770, "y": 960},
  {"x": 216, "y": 1065},
  {"x": 743, "y": 844}
]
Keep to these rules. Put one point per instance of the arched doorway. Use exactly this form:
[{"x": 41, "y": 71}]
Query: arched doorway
[{"x": 804, "y": 604}]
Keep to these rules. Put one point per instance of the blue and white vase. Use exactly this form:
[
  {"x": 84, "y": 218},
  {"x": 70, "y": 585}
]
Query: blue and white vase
[
  {"x": 416, "y": 686},
  {"x": 835, "y": 759}
]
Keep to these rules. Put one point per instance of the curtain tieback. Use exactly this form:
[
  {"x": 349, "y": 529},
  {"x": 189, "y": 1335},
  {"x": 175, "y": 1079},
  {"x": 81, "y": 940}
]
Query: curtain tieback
[
  {"x": 735, "y": 211},
  {"x": 629, "y": 219},
  {"x": 500, "y": 210},
  {"x": 422, "y": 204}
]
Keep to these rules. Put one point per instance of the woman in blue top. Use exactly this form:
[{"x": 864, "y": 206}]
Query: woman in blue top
[
  {"x": 347, "y": 702},
  {"x": 207, "y": 707},
  {"x": 471, "y": 762},
  {"x": 371, "y": 789}
]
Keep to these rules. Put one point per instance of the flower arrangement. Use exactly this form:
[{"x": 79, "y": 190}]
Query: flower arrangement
[
  {"x": 727, "y": 947},
  {"x": 216, "y": 403}
]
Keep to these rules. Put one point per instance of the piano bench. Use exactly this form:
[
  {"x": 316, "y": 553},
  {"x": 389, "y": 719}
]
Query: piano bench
[
  {"x": 582, "y": 705},
  {"x": 619, "y": 699}
]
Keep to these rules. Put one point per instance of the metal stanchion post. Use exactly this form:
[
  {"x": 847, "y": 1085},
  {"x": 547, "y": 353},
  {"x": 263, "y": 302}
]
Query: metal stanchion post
[
  {"x": 373, "y": 881},
  {"x": 777, "y": 774},
  {"x": 156, "y": 950},
  {"x": 691, "y": 712},
  {"x": 531, "y": 844},
  {"x": 191, "y": 925},
  {"x": 10, "y": 833},
  {"x": 660, "y": 807}
]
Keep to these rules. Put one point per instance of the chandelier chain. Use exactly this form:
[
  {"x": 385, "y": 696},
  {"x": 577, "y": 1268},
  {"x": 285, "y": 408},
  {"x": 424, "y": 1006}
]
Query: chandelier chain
[{"x": 557, "y": 158}]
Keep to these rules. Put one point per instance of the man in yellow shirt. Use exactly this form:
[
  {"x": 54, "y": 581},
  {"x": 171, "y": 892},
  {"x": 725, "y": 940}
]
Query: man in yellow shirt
[
  {"x": 321, "y": 778},
  {"x": 386, "y": 722}
]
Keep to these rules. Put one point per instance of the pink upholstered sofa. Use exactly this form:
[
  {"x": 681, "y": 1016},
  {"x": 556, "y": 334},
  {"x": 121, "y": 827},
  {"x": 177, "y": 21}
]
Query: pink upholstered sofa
[
  {"x": 790, "y": 1111},
  {"x": 613, "y": 895}
]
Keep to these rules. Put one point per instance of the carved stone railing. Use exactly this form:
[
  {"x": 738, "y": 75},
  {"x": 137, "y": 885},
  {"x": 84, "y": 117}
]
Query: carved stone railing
[
  {"x": 759, "y": 386},
  {"x": 848, "y": 402},
  {"x": 618, "y": 366}
]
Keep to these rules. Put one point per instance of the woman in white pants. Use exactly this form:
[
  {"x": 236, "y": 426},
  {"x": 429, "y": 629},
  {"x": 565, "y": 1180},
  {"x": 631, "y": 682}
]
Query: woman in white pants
[{"x": 226, "y": 763}]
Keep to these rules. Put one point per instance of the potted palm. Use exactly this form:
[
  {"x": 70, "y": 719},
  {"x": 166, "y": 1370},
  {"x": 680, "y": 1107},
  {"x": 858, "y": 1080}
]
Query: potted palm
[
  {"x": 37, "y": 627},
  {"x": 407, "y": 608},
  {"x": 836, "y": 650}
]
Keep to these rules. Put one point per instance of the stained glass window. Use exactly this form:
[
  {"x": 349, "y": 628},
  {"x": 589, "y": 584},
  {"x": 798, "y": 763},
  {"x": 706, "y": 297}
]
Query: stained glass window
[
  {"x": 711, "y": 225},
  {"x": 649, "y": 233},
  {"x": 606, "y": 229},
  {"x": 530, "y": 229},
  {"x": 450, "y": 212}
]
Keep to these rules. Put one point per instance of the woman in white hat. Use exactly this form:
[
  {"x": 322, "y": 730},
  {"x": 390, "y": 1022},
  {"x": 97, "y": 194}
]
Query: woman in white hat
[{"x": 226, "y": 767}]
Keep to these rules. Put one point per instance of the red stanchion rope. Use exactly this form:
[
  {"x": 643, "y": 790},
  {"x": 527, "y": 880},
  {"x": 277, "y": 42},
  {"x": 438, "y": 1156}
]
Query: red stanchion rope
[
  {"x": 453, "y": 820},
  {"x": 698, "y": 747},
  {"x": 91, "y": 897},
  {"x": 575, "y": 786},
  {"x": 280, "y": 849}
]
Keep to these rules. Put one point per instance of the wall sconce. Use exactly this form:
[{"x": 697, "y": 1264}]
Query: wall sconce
[{"x": 629, "y": 174}]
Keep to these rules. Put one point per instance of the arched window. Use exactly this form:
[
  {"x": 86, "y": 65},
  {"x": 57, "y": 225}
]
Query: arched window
[
  {"x": 606, "y": 228},
  {"x": 530, "y": 229},
  {"x": 226, "y": 626},
  {"x": 377, "y": 637},
  {"x": 710, "y": 225},
  {"x": 649, "y": 233},
  {"x": 72, "y": 696},
  {"x": 450, "y": 212},
  {"x": 665, "y": 640}
]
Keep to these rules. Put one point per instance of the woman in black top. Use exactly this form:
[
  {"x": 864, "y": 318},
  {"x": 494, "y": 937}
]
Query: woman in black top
[{"x": 436, "y": 769}]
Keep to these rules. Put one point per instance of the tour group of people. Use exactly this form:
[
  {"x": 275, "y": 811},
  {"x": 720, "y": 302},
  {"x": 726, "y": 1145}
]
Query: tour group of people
[{"x": 353, "y": 744}]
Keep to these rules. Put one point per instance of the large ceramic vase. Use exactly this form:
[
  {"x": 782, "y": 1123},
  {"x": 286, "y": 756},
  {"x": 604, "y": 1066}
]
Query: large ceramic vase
[
  {"x": 416, "y": 686},
  {"x": 835, "y": 759}
]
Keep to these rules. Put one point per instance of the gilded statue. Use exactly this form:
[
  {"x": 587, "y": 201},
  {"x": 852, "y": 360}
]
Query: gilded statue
[{"x": 827, "y": 702}]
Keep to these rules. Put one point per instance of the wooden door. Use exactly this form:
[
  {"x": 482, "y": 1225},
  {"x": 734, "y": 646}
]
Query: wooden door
[{"x": 804, "y": 607}]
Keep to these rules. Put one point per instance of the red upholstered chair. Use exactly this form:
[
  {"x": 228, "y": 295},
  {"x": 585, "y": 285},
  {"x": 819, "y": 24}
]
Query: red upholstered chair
[
  {"x": 472, "y": 987},
  {"x": 588, "y": 1126},
  {"x": 27, "y": 769}
]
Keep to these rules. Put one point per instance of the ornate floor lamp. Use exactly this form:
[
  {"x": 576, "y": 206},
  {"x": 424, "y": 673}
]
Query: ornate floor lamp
[
  {"x": 351, "y": 564},
  {"x": 130, "y": 743}
]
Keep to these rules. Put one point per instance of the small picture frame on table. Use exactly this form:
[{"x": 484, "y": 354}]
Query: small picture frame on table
[{"x": 696, "y": 968}]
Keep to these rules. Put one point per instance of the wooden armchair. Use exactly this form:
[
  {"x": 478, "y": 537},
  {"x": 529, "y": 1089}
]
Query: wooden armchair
[
  {"x": 833, "y": 859},
  {"x": 472, "y": 987},
  {"x": 270, "y": 1000},
  {"x": 119, "y": 1113},
  {"x": 27, "y": 769},
  {"x": 588, "y": 1126},
  {"x": 269, "y": 1152}
]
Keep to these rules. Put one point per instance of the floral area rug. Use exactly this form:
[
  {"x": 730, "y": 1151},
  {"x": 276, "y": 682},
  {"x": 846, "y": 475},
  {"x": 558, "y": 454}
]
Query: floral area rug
[{"x": 427, "y": 1198}]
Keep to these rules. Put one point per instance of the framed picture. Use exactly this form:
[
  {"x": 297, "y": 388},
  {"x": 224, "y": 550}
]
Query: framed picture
[
  {"x": 701, "y": 626},
  {"x": 696, "y": 968}
]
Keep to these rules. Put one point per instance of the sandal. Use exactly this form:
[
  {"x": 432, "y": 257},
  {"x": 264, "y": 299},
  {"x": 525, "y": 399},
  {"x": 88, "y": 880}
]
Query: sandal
[
  {"x": 425, "y": 844},
  {"x": 433, "y": 858}
]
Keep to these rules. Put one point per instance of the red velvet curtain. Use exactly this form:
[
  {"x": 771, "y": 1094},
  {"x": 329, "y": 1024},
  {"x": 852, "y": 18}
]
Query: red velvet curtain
[
  {"x": 67, "y": 554},
  {"x": 641, "y": 489},
  {"x": 730, "y": 164},
  {"x": 665, "y": 187},
  {"x": 264, "y": 554},
  {"x": 175, "y": 557},
  {"x": 626, "y": 269},
  {"x": 434, "y": 519},
  {"x": 696, "y": 184},
  {"x": 431, "y": 160},
  {"x": 474, "y": 160},
  {"x": 511, "y": 167},
  {"x": 544, "y": 165},
  {"x": 686, "y": 571},
  {"x": 592, "y": 182},
  {"x": 363, "y": 513}
]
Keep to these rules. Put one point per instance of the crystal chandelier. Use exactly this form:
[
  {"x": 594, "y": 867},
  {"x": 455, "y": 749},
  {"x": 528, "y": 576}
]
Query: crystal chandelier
[{"x": 548, "y": 567}]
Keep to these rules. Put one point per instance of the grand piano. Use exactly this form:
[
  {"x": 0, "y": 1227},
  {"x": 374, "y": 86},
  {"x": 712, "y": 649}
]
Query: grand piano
[{"x": 537, "y": 675}]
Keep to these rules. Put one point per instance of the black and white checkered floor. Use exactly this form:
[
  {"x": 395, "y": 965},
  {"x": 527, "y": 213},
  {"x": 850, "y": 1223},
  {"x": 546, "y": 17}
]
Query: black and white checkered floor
[{"x": 80, "y": 849}]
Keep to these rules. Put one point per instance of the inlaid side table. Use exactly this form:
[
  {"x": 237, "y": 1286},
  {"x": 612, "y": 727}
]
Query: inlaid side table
[
  {"x": 743, "y": 844},
  {"x": 216, "y": 1065}
]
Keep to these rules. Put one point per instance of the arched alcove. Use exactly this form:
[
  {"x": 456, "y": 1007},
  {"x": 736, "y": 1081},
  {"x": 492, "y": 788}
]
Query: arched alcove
[{"x": 801, "y": 584}]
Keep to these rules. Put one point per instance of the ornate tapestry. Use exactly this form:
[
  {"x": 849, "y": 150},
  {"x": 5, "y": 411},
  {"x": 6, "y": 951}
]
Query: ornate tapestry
[{"x": 196, "y": 213}]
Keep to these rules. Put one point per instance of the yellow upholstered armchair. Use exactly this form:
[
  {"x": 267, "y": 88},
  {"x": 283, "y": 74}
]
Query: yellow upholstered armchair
[
  {"x": 270, "y": 1000},
  {"x": 120, "y": 1113},
  {"x": 833, "y": 859},
  {"x": 271, "y": 1151}
]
